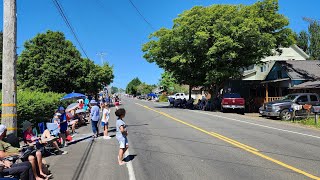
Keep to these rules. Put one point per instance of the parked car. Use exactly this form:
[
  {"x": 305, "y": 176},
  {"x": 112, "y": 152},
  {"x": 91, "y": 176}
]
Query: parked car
[
  {"x": 233, "y": 101},
  {"x": 282, "y": 108},
  {"x": 179, "y": 96}
]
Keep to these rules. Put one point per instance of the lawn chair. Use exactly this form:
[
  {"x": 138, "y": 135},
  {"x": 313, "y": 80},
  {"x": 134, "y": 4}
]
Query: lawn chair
[
  {"x": 42, "y": 127},
  {"x": 53, "y": 128}
]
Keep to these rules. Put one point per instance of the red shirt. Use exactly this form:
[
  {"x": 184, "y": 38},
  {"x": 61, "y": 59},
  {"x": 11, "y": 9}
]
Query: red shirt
[{"x": 28, "y": 136}]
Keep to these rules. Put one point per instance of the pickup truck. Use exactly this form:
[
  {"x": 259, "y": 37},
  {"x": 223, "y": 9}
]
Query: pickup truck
[
  {"x": 233, "y": 101},
  {"x": 179, "y": 96},
  {"x": 283, "y": 108}
]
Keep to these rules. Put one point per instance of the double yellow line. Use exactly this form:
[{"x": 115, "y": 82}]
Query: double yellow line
[{"x": 236, "y": 143}]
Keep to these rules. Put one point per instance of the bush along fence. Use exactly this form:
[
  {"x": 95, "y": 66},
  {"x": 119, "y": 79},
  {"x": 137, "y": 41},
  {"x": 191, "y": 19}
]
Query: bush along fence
[{"x": 36, "y": 106}]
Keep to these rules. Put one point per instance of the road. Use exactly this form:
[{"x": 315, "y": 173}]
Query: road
[{"x": 168, "y": 143}]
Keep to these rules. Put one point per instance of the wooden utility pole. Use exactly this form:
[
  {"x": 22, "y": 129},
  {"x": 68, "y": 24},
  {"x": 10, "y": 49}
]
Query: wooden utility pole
[{"x": 9, "y": 61}]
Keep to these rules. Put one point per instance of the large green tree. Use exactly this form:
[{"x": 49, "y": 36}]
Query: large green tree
[
  {"x": 132, "y": 87},
  {"x": 49, "y": 62},
  {"x": 144, "y": 88},
  {"x": 210, "y": 44},
  {"x": 303, "y": 40},
  {"x": 314, "y": 35}
]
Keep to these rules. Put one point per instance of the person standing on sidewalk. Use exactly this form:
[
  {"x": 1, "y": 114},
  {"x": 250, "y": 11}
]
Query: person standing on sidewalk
[
  {"x": 121, "y": 135},
  {"x": 95, "y": 116},
  {"x": 105, "y": 120}
]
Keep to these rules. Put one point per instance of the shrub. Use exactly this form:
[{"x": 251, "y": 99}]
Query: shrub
[
  {"x": 37, "y": 106},
  {"x": 163, "y": 98}
]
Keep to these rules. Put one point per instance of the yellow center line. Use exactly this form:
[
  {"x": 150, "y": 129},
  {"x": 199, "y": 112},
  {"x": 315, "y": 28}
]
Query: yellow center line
[
  {"x": 236, "y": 143},
  {"x": 8, "y": 115}
]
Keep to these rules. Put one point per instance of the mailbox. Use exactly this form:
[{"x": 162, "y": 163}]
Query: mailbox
[{"x": 316, "y": 109}]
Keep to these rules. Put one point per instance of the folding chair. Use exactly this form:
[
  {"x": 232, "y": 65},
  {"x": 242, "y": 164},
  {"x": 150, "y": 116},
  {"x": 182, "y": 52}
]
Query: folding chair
[{"x": 42, "y": 127}]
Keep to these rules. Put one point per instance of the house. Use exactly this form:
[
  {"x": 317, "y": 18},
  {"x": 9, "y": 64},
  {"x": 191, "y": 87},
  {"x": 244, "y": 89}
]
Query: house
[
  {"x": 286, "y": 76},
  {"x": 250, "y": 85},
  {"x": 259, "y": 72}
]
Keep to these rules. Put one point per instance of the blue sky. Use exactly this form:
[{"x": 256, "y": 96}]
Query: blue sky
[{"x": 116, "y": 29}]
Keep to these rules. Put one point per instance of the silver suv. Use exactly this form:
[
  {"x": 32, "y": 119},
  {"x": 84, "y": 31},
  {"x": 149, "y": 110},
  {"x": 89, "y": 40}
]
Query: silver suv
[{"x": 282, "y": 108}]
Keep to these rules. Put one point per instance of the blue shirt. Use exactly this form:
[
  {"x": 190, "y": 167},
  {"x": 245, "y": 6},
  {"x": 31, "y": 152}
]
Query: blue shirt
[
  {"x": 63, "y": 125},
  {"x": 95, "y": 113}
]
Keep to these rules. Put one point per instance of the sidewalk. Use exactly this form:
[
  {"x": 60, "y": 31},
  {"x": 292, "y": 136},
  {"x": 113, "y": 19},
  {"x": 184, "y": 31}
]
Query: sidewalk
[{"x": 101, "y": 162}]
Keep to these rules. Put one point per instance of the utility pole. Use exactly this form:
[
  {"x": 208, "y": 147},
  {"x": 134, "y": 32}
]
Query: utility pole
[
  {"x": 9, "y": 61},
  {"x": 102, "y": 55}
]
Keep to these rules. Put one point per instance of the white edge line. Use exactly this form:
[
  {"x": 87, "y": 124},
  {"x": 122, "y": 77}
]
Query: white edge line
[
  {"x": 130, "y": 168},
  {"x": 269, "y": 127}
]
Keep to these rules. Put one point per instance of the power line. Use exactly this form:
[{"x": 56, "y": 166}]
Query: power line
[
  {"x": 135, "y": 7},
  {"x": 64, "y": 17}
]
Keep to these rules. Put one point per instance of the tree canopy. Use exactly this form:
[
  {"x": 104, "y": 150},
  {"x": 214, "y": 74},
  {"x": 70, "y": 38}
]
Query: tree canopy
[
  {"x": 170, "y": 84},
  {"x": 303, "y": 41},
  {"x": 208, "y": 45},
  {"x": 49, "y": 62},
  {"x": 314, "y": 35},
  {"x": 132, "y": 87}
]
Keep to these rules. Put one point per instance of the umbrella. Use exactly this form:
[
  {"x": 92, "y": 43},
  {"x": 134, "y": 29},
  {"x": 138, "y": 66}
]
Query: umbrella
[
  {"x": 152, "y": 95},
  {"x": 73, "y": 96},
  {"x": 80, "y": 111},
  {"x": 72, "y": 106}
]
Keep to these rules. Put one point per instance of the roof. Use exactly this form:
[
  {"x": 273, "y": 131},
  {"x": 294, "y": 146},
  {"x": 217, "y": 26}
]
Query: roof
[
  {"x": 287, "y": 53},
  {"x": 302, "y": 70},
  {"x": 308, "y": 85}
]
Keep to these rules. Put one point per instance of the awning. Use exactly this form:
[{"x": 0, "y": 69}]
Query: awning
[{"x": 276, "y": 80}]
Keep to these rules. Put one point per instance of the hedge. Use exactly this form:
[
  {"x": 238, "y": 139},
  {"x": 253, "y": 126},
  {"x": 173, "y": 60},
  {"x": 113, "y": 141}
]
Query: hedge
[{"x": 36, "y": 106}]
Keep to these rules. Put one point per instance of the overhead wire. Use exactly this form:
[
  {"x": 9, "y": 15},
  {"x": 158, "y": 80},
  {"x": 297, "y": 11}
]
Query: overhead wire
[
  {"x": 64, "y": 17},
  {"x": 141, "y": 15}
]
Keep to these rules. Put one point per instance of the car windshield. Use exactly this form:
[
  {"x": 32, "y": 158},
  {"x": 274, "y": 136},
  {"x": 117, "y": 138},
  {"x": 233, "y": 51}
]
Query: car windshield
[
  {"x": 231, "y": 96},
  {"x": 289, "y": 97}
]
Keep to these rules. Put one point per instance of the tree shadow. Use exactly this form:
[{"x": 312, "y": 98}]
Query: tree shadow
[{"x": 75, "y": 141}]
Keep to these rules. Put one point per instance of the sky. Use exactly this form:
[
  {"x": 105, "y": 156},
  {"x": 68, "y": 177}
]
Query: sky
[{"x": 115, "y": 28}]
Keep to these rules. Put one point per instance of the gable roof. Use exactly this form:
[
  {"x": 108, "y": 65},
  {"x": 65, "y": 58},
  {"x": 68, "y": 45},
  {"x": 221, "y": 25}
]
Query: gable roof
[{"x": 302, "y": 70}]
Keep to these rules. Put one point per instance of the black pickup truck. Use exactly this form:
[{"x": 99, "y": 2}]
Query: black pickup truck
[{"x": 282, "y": 108}]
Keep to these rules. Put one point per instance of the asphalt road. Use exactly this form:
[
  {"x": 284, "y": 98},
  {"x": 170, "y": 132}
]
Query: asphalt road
[{"x": 168, "y": 143}]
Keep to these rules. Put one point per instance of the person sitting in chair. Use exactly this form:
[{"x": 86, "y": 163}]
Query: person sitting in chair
[{"x": 6, "y": 150}]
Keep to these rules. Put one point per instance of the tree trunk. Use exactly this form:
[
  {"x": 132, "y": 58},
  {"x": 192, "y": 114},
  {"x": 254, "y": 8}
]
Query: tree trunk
[{"x": 190, "y": 91}]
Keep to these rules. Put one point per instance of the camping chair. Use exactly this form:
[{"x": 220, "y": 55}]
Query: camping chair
[
  {"x": 42, "y": 127},
  {"x": 53, "y": 128}
]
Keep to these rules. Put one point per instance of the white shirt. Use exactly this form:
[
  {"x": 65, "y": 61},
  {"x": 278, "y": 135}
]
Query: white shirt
[{"x": 105, "y": 115}]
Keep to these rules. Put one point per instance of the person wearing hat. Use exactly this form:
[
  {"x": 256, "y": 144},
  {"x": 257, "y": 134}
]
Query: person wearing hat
[
  {"x": 32, "y": 140},
  {"x": 7, "y": 150},
  {"x": 95, "y": 116}
]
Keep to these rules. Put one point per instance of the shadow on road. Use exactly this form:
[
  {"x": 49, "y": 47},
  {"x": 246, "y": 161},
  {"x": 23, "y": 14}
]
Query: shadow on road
[{"x": 129, "y": 158}]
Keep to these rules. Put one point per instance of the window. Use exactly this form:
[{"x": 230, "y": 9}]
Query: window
[
  {"x": 313, "y": 98},
  {"x": 302, "y": 99},
  {"x": 261, "y": 69}
]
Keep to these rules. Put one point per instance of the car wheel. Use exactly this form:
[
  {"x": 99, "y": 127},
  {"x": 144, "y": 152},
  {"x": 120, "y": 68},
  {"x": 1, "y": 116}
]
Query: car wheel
[{"x": 285, "y": 115}]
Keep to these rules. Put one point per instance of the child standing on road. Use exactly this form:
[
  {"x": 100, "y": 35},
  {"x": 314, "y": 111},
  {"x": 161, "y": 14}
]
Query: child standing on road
[
  {"x": 105, "y": 120},
  {"x": 121, "y": 134}
]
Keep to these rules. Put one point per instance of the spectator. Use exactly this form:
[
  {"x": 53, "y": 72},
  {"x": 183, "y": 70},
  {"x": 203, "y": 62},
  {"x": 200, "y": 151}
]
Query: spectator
[
  {"x": 86, "y": 104},
  {"x": 121, "y": 134},
  {"x": 23, "y": 170},
  {"x": 72, "y": 121},
  {"x": 7, "y": 150},
  {"x": 105, "y": 120},
  {"x": 63, "y": 126},
  {"x": 95, "y": 116}
]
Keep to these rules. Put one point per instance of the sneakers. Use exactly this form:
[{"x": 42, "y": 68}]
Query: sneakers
[{"x": 106, "y": 137}]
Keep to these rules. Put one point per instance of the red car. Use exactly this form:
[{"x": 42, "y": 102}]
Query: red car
[{"x": 233, "y": 101}]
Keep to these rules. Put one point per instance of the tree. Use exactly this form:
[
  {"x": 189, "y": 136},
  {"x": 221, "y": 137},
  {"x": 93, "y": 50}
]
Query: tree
[
  {"x": 314, "y": 35},
  {"x": 49, "y": 62},
  {"x": 114, "y": 89},
  {"x": 303, "y": 40},
  {"x": 208, "y": 45},
  {"x": 132, "y": 86},
  {"x": 170, "y": 85},
  {"x": 144, "y": 88}
]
